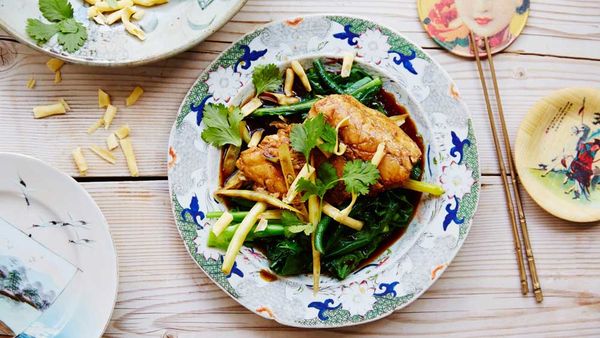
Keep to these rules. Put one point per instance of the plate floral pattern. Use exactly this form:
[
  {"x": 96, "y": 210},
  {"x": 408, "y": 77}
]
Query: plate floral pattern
[{"x": 411, "y": 265}]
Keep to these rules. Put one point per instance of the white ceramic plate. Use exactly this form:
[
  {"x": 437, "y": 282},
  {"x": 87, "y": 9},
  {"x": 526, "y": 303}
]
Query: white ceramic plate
[
  {"x": 57, "y": 212},
  {"x": 408, "y": 268},
  {"x": 170, "y": 29}
]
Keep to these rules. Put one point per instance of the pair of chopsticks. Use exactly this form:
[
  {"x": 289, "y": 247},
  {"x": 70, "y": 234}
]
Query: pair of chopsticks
[{"x": 537, "y": 290}]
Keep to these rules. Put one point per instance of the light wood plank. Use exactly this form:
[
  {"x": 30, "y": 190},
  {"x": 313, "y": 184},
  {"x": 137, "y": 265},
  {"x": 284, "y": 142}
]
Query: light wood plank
[
  {"x": 523, "y": 80},
  {"x": 555, "y": 27},
  {"x": 161, "y": 289}
]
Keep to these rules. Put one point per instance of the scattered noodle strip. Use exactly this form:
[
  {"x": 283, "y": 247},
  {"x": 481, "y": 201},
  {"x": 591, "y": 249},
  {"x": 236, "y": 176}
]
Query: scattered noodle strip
[
  {"x": 31, "y": 83},
  {"x": 65, "y": 104},
  {"x": 103, "y": 154},
  {"x": 132, "y": 28},
  {"x": 109, "y": 115},
  {"x": 99, "y": 123},
  {"x": 134, "y": 96},
  {"x": 103, "y": 98},
  {"x": 55, "y": 64},
  {"x": 127, "y": 149},
  {"x": 80, "y": 161},
  {"x": 123, "y": 131},
  {"x": 112, "y": 142},
  {"x": 49, "y": 110}
]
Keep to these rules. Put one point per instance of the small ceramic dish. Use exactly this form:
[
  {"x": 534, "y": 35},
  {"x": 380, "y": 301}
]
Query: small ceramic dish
[
  {"x": 53, "y": 210},
  {"x": 412, "y": 263},
  {"x": 170, "y": 29},
  {"x": 558, "y": 154}
]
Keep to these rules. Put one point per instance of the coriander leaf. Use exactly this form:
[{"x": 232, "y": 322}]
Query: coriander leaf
[
  {"x": 71, "y": 42},
  {"x": 359, "y": 175},
  {"x": 304, "y": 137},
  {"x": 68, "y": 26},
  {"x": 266, "y": 78},
  {"x": 39, "y": 31},
  {"x": 327, "y": 175},
  {"x": 222, "y": 126},
  {"x": 328, "y": 137},
  {"x": 326, "y": 179},
  {"x": 308, "y": 189},
  {"x": 56, "y": 10}
]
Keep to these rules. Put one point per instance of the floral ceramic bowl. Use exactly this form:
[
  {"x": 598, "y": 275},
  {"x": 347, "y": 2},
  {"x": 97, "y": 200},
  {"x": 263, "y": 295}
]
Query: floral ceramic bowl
[
  {"x": 170, "y": 29},
  {"x": 404, "y": 271}
]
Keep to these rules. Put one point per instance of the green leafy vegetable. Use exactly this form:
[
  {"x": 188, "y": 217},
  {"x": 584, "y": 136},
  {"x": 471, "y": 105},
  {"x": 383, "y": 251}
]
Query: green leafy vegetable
[
  {"x": 222, "y": 125},
  {"x": 326, "y": 179},
  {"x": 72, "y": 41},
  {"x": 290, "y": 256},
  {"x": 307, "y": 228},
  {"x": 266, "y": 78},
  {"x": 56, "y": 10},
  {"x": 71, "y": 33},
  {"x": 359, "y": 175},
  {"x": 39, "y": 31},
  {"x": 304, "y": 137}
]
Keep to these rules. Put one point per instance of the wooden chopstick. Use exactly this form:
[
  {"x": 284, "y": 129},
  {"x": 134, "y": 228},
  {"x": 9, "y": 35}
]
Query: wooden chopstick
[
  {"x": 507, "y": 193},
  {"x": 537, "y": 289}
]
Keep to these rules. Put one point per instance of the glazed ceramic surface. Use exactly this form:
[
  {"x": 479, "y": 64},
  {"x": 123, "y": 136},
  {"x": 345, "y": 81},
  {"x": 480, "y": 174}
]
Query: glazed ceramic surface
[
  {"x": 54, "y": 210},
  {"x": 170, "y": 29},
  {"x": 558, "y": 154},
  {"x": 449, "y": 22},
  {"x": 410, "y": 265}
]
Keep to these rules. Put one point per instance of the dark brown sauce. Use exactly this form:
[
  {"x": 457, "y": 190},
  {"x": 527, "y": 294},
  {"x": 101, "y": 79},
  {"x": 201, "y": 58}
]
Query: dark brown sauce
[
  {"x": 267, "y": 276},
  {"x": 414, "y": 197}
]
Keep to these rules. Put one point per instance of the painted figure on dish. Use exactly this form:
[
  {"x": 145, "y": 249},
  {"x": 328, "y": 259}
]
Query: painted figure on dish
[
  {"x": 449, "y": 22},
  {"x": 580, "y": 167}
]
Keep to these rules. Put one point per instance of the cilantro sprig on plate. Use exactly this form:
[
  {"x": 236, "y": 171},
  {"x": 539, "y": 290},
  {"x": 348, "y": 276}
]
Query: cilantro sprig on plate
[
  {"x": 312, "y": 133},
  {"x": 266, "y": 78},
  {"x": 72, "y": 34},
  {"x": 222, "y": 125}
]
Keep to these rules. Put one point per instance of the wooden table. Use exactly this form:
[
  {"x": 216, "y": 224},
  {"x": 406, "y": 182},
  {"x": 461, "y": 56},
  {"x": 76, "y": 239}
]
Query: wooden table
[{"x": 161, "y": 289}]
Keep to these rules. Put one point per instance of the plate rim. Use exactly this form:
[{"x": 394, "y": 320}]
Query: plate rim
[
  {"x": 476, "y": 183},
  {"x": 20, "y": 157},
  {"x": 133, "y": 62},
  {"x": 523, "y": 137}
]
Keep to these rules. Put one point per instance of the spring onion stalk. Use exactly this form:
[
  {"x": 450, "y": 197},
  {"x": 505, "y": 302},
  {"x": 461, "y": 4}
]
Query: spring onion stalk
[
  {"x": 292, "y": 109},
  {"x": 222, "y": 241},
  {"x": 222, "y": 223},
  {"x": 287, "y": 167},
  {"x": 314, "y": 217},
  {"x": 240, "y": 236},
  {"x": 337, "y": 215},
  {"x": 257, "y": 197},
  {"x": 425, "y": 187},
  {"x": 239, "y": 215}
]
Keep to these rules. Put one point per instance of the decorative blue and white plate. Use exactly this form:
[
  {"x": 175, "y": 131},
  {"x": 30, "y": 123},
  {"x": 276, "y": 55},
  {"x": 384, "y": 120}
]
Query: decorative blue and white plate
[
  {"x": 411, "y": 265},
  {"x": 55, "y": 211}
]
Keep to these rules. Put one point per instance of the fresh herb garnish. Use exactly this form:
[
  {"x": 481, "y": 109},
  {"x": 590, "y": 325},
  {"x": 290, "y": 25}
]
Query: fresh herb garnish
[
  {"x": 326, "y": 179},
  {"x": 222, "y": 125},
  {"x": 266, "y": 78},
  {"x": 358, "y": 176},
  {"x": 294, "y": 225},
  {"x": 304, "y": 137},
  {"x": 71, "y": 33}
]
